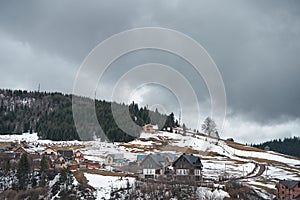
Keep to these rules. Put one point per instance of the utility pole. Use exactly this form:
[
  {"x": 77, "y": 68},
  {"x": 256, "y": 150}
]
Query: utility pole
[
  {"x": 39, "y": 87},
  {"x": 180, "y": 118}
]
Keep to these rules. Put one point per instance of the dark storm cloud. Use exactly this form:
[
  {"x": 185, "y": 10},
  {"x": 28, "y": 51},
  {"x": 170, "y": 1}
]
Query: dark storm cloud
[{"x": 255, "y": 44}]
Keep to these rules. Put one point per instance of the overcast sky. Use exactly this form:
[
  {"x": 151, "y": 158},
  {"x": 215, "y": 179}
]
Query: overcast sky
[{"x": 255, "y": 44}]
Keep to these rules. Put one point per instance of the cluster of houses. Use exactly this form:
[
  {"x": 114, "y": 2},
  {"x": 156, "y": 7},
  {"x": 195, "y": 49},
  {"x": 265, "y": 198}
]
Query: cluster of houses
[
  {"x": 62, "y": 159},
  {"x": 56, "y": 159},
  {"x": 160, "y": 166},
  {"x": 186, "y": 167}
]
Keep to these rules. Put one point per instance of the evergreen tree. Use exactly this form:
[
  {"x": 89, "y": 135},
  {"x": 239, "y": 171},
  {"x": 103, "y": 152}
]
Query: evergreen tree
[
  {"x": 23, "y": 171},
  {"x": 184, "y": 129}
]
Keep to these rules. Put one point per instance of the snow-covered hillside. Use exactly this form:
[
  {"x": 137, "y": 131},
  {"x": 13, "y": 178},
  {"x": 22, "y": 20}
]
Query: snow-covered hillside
[{"x": 256, "y": 168}]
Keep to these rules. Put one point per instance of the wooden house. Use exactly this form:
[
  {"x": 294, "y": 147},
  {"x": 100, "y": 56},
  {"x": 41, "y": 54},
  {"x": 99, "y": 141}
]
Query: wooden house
[
  {"x": 154, "y": 165},
  {"x": 20, "y": 150},
  {"x": 49, "y": 151},
  {"x": 35, "y": 160},
  {"x": 78, "y": 156},
  {"x": 93, "y": 165},
  {"x": 60, "y": 163},
  {"x": 288, "y": 189},
  {"x": 188, "y": 168}
]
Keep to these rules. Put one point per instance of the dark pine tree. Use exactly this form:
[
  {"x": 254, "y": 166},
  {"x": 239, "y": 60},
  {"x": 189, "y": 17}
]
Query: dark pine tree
[{"x": 23, "y": 171}]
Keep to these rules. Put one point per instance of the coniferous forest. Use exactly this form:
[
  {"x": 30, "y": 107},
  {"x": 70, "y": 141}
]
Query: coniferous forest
[
  {"x": 289, "y": 146},
  {"x": 50, "y": 115}
]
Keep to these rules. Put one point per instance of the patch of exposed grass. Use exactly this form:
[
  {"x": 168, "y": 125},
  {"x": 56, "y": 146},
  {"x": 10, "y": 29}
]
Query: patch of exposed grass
[
  {"x": 80, "y": 177},
  {"x": 5, "y": 144},
  {"x": 265, "y": 188},
  {"x": 71, "y": 147},
  {"x": 242, "y": 147},
  {"x": 104, "y": 173}
]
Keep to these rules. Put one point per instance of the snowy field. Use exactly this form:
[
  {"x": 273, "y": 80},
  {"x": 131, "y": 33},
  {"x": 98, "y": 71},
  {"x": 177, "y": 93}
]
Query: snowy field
[{"x": 104, "y": 184}]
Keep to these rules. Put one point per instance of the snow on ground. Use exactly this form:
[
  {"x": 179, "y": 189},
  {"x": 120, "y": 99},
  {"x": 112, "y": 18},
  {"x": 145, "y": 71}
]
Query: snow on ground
[
  {"x": 229, "y": 161},
  {"x": 218, "y": 164},
  {"x": 52, "y": 182},
  {"x": 104, "y": 184},
  {"x": 18, "y": 138},
  {"x": 265, "y": 155},
  {"x": 206, "y": 193},
  {"x": 97, "y": 151},
  {"x": 281, "y": 173}
]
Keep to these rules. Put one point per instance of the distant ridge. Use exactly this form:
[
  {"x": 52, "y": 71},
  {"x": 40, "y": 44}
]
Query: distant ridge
[{"x": 288, "y": 146}]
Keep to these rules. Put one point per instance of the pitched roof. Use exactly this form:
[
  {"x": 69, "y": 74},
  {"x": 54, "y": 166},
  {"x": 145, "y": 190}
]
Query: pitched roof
[
  {"x": 191, "y": 159},
  {"x": 140, "y": 157},
  {"x": 289, "y": 184},
  {"x": 66, "y": 153},
  {"x": 159, "y": 159},
  {"x": 116, "y": 156}
]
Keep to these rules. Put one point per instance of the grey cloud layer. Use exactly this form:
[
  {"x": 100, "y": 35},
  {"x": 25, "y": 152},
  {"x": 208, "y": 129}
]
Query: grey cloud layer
[{"x": 255, "y": 44}]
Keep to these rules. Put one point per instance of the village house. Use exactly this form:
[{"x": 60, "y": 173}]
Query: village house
[
  {"x": 149, "y": 128},
  {"x": 93, "y": 165},
  {"x": 139, "y": 158},
  {"x": 267, "y": 148},
  {"x": 60, "y": 163},
  {"x": 115, "y": 159},
  {"x": 188, "y": 168},
  {"x": 78, "y": 156},
  {"x": 73, "y": 165},
  {"x": 35, "y": 161},
  {"x": 154, "y": 165},
  {"x": 49, "y": 151},
  {"x": 20, "y": 150},
  {"x": 51, "y": 156},
  {"x": 288, "y": 189},
  {"x": 67, "y": 154}
]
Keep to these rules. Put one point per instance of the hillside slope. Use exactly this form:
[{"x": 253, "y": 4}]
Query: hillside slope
[{"x": 50, "y": 115}]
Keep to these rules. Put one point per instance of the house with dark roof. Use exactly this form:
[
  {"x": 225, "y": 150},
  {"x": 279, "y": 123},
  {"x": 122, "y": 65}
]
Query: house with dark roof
[
  {"x": 188, "y": 168},
  {"x": 67, "y": 154},
  {"x": 154, "y": 165},
  {"x": 20, "y": 150},
  {"x": 288, "y": 189}
]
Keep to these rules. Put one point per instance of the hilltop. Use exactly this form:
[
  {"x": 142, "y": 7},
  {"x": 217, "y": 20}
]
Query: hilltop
[{"x": 50, "y": 115}]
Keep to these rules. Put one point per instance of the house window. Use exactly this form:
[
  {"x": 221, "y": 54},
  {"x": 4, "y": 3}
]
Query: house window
[
  {"x": 182, "y": 171},
  {"x": 197, "y": 172},
  {"x": 149, "y": 171}
]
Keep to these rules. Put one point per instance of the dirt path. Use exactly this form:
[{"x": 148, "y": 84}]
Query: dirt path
[{"x": 261, "y": 170}]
